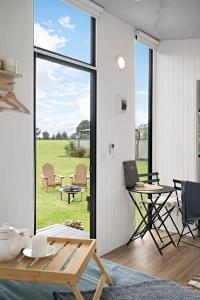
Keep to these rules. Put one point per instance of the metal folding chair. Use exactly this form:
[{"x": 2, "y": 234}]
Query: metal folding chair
[{"x": 178, "y": 188}]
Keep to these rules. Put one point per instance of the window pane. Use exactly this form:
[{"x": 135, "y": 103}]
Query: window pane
[
  {"x": 141, "y": 106},
  {"x": 141, "y": 113},
  {"x": 62, "y": 139},
  {"x": 61, "y": 28}
]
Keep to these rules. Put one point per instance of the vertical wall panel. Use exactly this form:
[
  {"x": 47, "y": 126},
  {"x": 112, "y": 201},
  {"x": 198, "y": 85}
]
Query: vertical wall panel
[
  {"x": 114, "y": 208},
  {"x": 16, "y": 129},
  {"x": 177, "y": 67}
]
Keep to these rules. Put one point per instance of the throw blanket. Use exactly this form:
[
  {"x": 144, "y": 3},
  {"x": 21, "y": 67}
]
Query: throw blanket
[
  {"x": 151, "y": 290},
  {"x": 190, "y": 202}
]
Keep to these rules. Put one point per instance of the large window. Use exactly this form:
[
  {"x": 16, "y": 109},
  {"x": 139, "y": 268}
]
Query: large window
[
  {"x": 65, "y": 113},
  {"x": 61, "y": 28}
]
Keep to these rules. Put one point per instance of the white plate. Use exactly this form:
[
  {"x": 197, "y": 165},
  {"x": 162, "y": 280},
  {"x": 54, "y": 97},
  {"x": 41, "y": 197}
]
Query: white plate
[{"x": 50, "y": 251}]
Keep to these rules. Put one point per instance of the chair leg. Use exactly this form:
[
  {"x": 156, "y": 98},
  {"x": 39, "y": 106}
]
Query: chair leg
[{"x": 180, "y": 236}]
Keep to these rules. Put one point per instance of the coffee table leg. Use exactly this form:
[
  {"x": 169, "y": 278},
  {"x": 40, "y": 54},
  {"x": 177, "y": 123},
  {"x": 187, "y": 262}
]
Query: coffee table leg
[
  {"x": 68, "y": 198},
  {"x": 76, "y": 292}
]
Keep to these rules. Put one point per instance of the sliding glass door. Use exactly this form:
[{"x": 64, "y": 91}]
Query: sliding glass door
[{"x": 65, "y": 118}]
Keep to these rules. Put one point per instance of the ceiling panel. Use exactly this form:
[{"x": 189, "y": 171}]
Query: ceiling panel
[{"x": 163, "y": 19}]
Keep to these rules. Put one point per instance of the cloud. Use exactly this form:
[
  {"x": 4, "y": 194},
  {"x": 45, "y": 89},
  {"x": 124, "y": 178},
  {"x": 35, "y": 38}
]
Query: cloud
[
  {"x": 49, "y": 23},
  {"x": 63, "y": 97},
  {"x": 84, "y": 108},
  {"x": 47, "y": 39},
  {"x": 40, "y": 94},
  {"x": 66, "y": 23},
  {"x": 141, "y": 117},
  {"x": 142, "y": 92}
]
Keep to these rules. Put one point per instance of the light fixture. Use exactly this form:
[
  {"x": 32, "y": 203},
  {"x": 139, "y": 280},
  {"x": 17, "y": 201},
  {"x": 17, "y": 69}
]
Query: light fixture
[{"x": 121, "y": 62}]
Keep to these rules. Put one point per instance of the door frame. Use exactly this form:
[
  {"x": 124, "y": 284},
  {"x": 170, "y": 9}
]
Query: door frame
[{"x": 150, "y": 113}]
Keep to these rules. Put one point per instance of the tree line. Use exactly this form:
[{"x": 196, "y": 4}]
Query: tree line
[{"x": 45, "y": 135}]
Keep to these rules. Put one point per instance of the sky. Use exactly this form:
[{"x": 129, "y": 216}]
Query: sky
[
  {"x": 63, "y": 93},
  {"x": 142, "y": 79}
]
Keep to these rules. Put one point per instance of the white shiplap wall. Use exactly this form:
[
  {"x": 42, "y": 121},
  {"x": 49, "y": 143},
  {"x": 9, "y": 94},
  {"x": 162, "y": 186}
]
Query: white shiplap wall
[
  {"x": 16, "y": 129},
  {"x": 177, "y": 67},
  {"x": 114, "y": 208}
]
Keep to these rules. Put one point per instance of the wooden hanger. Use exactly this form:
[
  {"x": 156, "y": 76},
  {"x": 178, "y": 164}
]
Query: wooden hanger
[{"x": 13, "y": 103}]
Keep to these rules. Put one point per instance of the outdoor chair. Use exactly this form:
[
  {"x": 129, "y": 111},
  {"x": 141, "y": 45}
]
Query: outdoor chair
[
  {"x": 80, "y": 176},
  {"x": 186, "y": 229},
  {"x": 49, "y": 177}
]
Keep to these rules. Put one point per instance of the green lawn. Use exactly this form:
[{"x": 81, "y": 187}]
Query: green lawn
[{"x": 50, "y": 209}]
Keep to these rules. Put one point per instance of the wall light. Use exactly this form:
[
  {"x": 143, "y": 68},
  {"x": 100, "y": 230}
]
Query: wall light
[{"x": 121, "y": 62}]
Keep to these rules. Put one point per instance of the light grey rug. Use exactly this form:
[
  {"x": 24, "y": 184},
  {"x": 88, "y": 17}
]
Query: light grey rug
[{"x": 151, "y": 290}]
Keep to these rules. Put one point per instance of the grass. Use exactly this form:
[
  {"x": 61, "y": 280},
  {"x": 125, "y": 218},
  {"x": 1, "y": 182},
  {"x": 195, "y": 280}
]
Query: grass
[{"x": 49, "y": 208}]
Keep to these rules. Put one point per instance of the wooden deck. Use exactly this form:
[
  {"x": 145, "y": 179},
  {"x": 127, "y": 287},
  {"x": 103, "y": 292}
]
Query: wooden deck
[
  {"x": 178, "y": 264},
  {"x": 59, "y": 230}
]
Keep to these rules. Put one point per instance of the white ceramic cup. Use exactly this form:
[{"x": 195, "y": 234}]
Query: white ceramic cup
[
  {"x": 10, "y": 65},
  {"x": 39, "y": 245}
]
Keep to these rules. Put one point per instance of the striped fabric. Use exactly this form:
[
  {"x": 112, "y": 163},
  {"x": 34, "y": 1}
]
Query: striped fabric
[{"x": 195, "y": 282}]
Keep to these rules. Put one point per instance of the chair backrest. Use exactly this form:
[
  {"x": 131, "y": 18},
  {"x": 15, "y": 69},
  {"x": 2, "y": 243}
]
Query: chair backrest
[
  {"x": 130, "y": 173},
  {"x": 178, "y": 189},
  {"x": 80, "y": 175},
  {"x": 150, "y": 178},
  {"x": 48, "y": 171}
]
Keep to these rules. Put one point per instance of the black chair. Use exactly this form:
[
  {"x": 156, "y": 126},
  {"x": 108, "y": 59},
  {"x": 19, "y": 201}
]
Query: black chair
[{"x": 178, "y": 188}]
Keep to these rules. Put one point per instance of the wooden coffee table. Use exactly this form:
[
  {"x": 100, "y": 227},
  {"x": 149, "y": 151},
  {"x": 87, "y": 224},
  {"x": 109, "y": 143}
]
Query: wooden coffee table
[{"x": 66, "y": 266}]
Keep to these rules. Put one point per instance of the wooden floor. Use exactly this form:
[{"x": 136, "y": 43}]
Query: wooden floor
[{"x": 178, "y": 264}]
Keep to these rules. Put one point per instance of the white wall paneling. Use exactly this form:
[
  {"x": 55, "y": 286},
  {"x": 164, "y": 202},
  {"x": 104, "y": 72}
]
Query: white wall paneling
[
  {"x": 177, "y": 68},
  {"x": 16, "y": 129},
  {"x": 114, "y": 208}
]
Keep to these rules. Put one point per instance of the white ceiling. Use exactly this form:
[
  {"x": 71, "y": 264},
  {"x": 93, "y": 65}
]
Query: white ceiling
[{"x": 163, "y": 19}]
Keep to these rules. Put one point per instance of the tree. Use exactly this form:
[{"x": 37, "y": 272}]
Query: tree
[
  {"x": 45, "y": 135},
  {"x": 53, "y": 137},
  {"x": 73, "y": 136},
  {"x": 64, "y": 135},
  {"x": 84, "y": 124},
  {"x": 58, "y": 136},
  {"x": 143, "y": 131},
  {"x": 37, "y": 132}
]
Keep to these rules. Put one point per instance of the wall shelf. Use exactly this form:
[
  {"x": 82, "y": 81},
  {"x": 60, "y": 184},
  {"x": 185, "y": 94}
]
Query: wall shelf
[{"x": 10, "y": 74}]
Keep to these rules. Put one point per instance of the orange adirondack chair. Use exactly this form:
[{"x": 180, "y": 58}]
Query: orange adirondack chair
[
  {"x": 49, "y": 177},
  {"x": 80, "y": 177}
]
